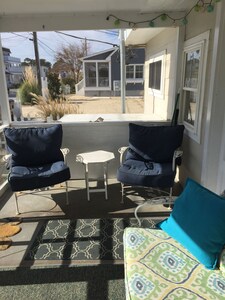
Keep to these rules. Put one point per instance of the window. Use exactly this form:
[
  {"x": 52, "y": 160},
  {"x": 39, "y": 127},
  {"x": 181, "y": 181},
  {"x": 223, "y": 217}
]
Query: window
[
  {"x": 90, "y": 74},
  {"x": 156, "y": 73},
  {"x": 96, "y": 74},
  {"x": 155, "y": 70},
  {"x": 103, "y": 74},
  {"x": 134, "y": 73},
  {"x": 194, "y": 64}
]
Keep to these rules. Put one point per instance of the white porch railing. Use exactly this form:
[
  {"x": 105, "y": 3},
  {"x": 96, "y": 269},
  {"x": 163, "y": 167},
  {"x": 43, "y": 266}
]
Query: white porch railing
[
  {"x": 80, "y": 87},
  {"x": 3, "y": 170}
]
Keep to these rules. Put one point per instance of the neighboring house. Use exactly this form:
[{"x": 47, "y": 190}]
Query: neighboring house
[
  {"x": 102, "y": 73},
  {"x": 13, "y": 69}
]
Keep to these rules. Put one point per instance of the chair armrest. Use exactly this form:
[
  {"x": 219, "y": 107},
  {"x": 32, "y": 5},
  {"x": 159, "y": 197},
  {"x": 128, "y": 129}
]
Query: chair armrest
[
  {"x": 122, "y": 151},
  {"x": 177, "y": 153},
  {"x": 65, "y": 151},
  {"x": 7, "y": 159}
]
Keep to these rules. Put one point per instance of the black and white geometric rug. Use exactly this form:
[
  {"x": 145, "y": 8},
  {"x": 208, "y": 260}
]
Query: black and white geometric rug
[{"x": 84, "y": 240}]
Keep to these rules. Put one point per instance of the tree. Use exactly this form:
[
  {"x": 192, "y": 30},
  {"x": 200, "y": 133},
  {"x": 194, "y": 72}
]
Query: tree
[
  {"x": 31, "y": 62},
  {"x": 54, "y": 85},
  {"x": 68, "y": 60}
]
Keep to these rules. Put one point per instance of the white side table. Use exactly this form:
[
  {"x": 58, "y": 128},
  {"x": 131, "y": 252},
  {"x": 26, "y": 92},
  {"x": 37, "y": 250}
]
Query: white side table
[{"x": 94, "y": 157}]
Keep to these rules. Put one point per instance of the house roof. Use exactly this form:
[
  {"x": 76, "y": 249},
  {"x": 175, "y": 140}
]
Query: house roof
[{"x": 103, "y": 55}]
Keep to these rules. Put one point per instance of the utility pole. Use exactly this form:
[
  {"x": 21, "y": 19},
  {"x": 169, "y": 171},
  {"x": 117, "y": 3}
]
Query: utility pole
[
  {"x": 85, "y": 46},
  {"x": 37, "y": 61}
]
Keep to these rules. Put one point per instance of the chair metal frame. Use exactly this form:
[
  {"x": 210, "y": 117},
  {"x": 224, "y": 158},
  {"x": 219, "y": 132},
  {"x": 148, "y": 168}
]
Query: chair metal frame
[
  {"x": 7, "y": 160},
  {"x": 167, "y": 199}
]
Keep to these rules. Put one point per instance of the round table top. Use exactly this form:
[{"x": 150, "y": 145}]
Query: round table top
[{"x": 99, "y": 156}]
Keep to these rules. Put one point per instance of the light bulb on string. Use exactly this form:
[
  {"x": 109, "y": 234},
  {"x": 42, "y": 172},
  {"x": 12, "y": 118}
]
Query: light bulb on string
[
  {"x": 151, "y": 24},
  {"x": 163, "y": 17},
  {"x": 200, "y": 6},
  {"x": 184, "y": 21},
  {"x": 197, "y": 8},
  {"x": 210, "y": 8},
  {"x": 117, "y": 22}
]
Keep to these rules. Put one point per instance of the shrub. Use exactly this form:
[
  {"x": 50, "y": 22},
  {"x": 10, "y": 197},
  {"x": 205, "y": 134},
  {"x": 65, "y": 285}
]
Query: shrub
[
  {"x": 54, "y": 85},
  {"x": 25, "y": 91},
  {"x": 71, "y": 82},
  {"x": 28, "y": 86},
  {"x": 55, "y": 108}
]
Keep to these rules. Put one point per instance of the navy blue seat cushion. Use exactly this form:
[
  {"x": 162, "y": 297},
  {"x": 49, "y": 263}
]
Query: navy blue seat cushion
[
  {"x": 34, "y": 146},
  {"x": 149, "y": 158},
  {"x": 155, "y": 143},
  {"x": 23, "y": 178},
  {"x": 148, "y": 174}
]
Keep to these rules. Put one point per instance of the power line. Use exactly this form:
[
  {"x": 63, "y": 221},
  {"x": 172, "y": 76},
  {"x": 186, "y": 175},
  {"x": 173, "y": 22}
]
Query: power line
[
  {"x": 43, "y": 48},
  {"x": 87, "y": 39},
  {"x": 17, "y": 34},
  {"x": 61, "y": 37},
  {"x": 110, "y": 32},
  {"x": 46, "y": 46}
]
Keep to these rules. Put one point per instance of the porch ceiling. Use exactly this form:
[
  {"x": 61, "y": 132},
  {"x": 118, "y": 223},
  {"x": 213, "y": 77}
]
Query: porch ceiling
[
  {"x": 15, "y": 7},
  {"x": 81, "y": 14}
]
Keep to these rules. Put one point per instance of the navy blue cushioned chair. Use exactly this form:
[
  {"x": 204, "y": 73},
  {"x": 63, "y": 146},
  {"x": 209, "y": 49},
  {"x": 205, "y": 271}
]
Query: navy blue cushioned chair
[
  {"x": 151, "y": 158},
  {"x": 36, "y": 159}
]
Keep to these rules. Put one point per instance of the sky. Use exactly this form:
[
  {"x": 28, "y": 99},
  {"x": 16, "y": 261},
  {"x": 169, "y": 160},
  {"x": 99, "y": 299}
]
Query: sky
[{"x": 50, "y": 42}]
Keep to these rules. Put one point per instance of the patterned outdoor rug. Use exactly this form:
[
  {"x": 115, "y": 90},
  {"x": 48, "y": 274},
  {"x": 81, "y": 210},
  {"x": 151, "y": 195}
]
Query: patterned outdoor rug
[{"x": 83, "y": 240}]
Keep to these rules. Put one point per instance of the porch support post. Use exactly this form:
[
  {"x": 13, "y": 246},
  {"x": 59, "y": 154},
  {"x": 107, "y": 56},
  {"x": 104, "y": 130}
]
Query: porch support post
[
  {"x": 122, "y": 71},
  {"x": 213, "y": 162},
  {"x": 5, "y": 111}
]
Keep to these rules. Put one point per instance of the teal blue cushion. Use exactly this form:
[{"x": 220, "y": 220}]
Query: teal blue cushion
[{"x": 198, "y": 223}]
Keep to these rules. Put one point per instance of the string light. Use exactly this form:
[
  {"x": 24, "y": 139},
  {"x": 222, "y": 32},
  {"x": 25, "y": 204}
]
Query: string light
[{"x": 200, "y": 6}]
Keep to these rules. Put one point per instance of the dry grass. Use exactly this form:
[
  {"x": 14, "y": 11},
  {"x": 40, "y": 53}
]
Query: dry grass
[
  {"x": 29, "y": 76},
  {"x": 55, "y": 108}
]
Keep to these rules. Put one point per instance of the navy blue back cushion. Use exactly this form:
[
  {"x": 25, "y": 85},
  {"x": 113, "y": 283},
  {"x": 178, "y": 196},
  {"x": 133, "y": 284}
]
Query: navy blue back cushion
[
  {"x": 155, "y": 143},
  {"x": 34, "y": 146}
]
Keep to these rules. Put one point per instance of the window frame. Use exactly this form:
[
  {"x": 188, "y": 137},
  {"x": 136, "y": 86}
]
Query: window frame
[
  {"x": 134, "y": 78},
  {"x": 160, "y": 56},
  {"x": 97, "y": 87},
  {"x": 200, "y": 43}
]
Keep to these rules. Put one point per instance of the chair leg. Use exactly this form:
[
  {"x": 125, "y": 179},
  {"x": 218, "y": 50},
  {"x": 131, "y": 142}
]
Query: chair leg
[
  {"x": 170, "y": 198},
  {"x": 67, "y": 194},
  {"x": 122, "y": 192},
  {"x": 17, "y": 207},
  {"x": 136, "y": 211}
]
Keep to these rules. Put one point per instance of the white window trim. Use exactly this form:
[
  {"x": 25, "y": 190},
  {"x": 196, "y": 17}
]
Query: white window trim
[
  {"x": 134, "y": 79},
  {"x": 156, "y": 57},
  {"x": 199, "y": 42},
  {"x": 97, "y": 88}
]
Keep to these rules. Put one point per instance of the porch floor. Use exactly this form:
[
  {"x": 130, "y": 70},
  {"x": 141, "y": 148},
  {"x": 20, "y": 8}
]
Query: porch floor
[{"x": 51, "y": 204}]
